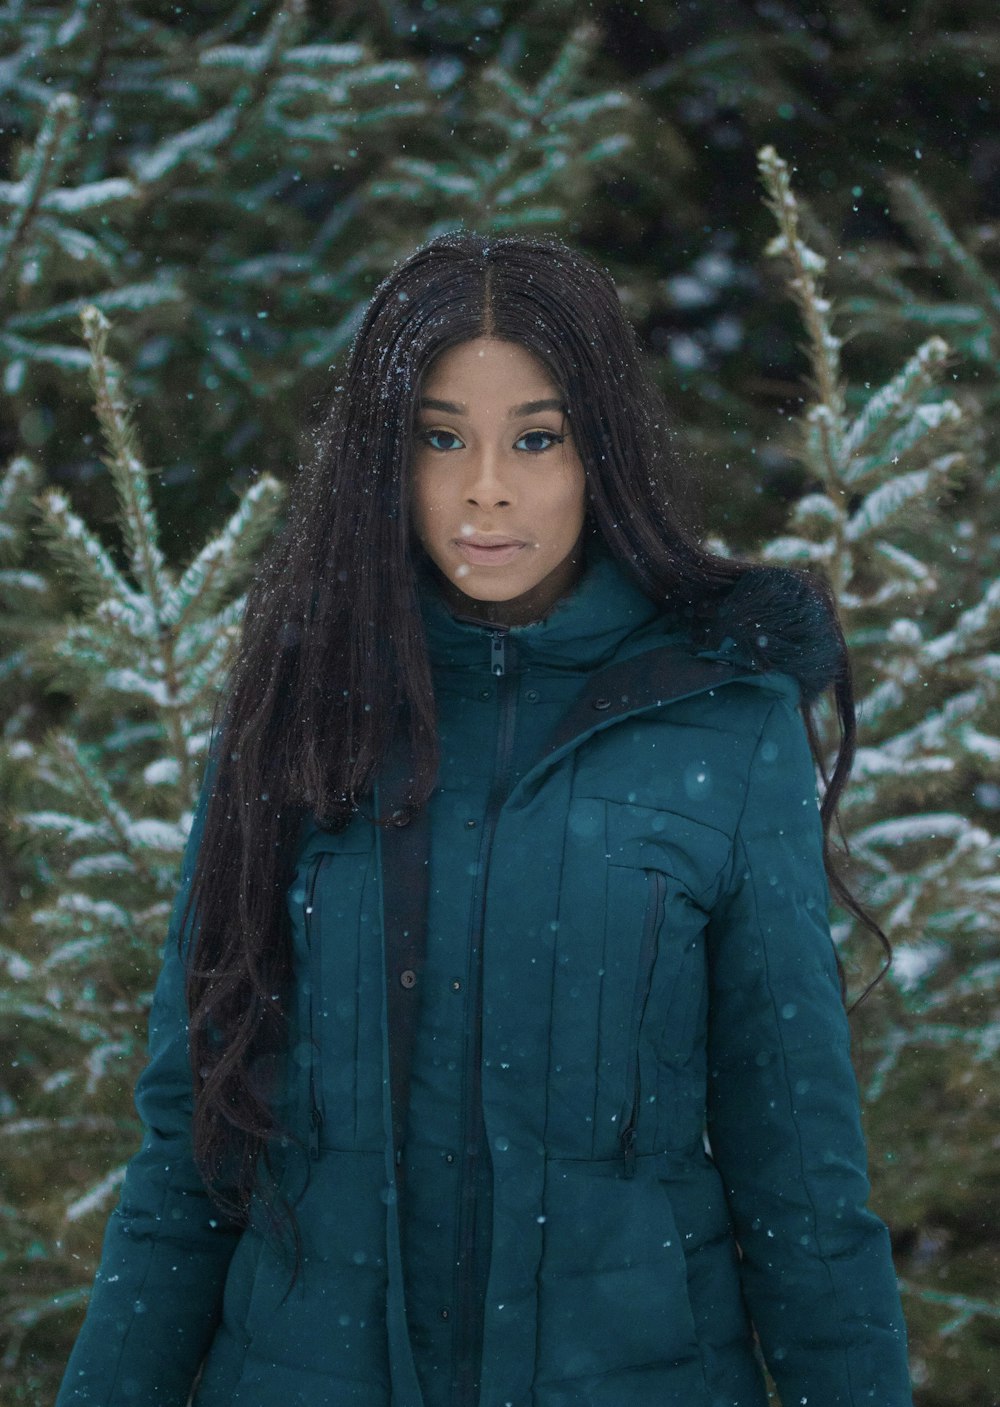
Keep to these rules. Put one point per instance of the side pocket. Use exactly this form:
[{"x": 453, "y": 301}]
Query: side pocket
[{"x": 652, "y": 920}]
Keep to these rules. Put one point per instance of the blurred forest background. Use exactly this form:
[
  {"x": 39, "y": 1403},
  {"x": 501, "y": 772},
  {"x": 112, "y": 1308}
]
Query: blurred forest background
[{"x": 800, "y": 204}]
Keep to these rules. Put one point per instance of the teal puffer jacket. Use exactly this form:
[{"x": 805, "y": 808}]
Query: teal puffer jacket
[{"x": 633, "y": 1157}]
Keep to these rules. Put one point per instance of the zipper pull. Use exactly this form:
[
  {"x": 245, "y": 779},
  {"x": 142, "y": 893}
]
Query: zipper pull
[
  {"x": 315, "y": 1124},
  {"x": 498, "y": 651},
  {"x": 628, "y": 1150}
]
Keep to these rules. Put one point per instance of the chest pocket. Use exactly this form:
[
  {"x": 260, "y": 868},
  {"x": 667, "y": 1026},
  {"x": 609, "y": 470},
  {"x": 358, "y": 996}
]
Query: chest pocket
[
  {"x": 338, "y": 981},
  {"x": 631, "y": 970}
]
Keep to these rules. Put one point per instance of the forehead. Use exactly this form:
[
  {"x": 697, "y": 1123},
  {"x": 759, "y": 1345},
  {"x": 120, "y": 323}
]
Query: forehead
[{"x": 485, "y": 363}]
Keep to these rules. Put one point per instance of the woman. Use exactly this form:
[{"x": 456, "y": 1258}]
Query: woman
[{"x": 517, "y": 1069}]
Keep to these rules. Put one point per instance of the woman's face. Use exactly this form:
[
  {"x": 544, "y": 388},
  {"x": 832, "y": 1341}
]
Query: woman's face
[{"x": 498, "y": 487}]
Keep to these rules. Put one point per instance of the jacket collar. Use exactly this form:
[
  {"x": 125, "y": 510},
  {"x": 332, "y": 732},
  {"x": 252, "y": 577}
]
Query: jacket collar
[{"x": 604, "y": 615}]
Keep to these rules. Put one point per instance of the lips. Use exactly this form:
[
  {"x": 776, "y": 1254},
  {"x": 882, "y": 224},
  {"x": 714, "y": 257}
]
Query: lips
[
  {"x": 481, "y": 550},
  {"x": 486, "y": 540}
]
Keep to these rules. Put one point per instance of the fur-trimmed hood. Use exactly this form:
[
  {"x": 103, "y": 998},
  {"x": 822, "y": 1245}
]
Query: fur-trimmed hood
[{"x": 774, "y": 619}]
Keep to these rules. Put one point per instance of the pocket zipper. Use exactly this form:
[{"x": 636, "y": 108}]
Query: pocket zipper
[
  {"x": 647, "y": 954},
  {"x": 315, "y": 1076}
]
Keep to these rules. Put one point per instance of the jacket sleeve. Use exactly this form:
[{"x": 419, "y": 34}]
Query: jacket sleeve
[
  {"x": 783, "y": 1107},
  {"x": 157, "y": 1295}
]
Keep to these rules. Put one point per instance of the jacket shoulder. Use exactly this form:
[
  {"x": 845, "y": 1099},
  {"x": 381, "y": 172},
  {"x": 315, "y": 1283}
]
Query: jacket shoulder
[{"x": 775, "y": 621}]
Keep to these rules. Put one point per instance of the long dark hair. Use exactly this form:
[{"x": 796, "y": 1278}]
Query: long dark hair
[{"x": 332, "y": 659}]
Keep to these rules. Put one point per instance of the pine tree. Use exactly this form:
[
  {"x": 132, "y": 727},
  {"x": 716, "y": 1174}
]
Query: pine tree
[
  {"x": 231, "y": 188},
  {"x": 922, "y": 621},
  {"x": 113, "y": 797}
]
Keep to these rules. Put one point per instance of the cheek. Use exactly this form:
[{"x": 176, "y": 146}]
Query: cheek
[{"x": 569, "y": 503}]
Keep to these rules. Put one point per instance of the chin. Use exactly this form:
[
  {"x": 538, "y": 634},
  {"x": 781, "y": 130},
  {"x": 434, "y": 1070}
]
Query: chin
[{"x": 493, "y": 593}]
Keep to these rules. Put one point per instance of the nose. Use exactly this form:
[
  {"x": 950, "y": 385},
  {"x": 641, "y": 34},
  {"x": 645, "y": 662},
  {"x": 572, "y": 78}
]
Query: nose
[{"x": 487, "y": 488}]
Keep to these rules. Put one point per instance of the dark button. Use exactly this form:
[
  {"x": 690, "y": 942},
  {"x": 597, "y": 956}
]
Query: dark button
[
  {"x": 485, "y": 693},
  {"x": 449, "y": 1157},
  {"x": 456, "y": 986},
  {"x": 408, "y": 978},
  {"x": 445, "y": 1313},
  {"x": 531, "y": 695},
  {"x": 470, "y": 825},
  {"x": 602, "y": 703},
  {"x": 400, "y": 817}
]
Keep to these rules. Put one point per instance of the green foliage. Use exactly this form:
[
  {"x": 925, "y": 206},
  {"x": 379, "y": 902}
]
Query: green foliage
[
  {"x": 226, "y": 183},
  {"x": 922, "y": 622},
  {"x": 112, "y": 798}
]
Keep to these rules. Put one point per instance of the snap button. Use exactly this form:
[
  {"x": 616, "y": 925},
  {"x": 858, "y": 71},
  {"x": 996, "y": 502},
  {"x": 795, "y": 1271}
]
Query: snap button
[
  {"x": 602, "y": 703},
  {"x": 400, "y": 817},
  {"x": 449, "y": 1157},
  {"x": 531, "y": 695},
  {"x": 456, "y": 986},
  {"x": 485, "y": 693},
  {"x": 470, "y": 825},
  {"x": 408, "y": 978}
]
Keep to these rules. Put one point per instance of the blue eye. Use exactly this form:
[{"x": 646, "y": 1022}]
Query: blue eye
[
  {"x": 428, "y": 435},
  {"x": 547, "y": 434}
]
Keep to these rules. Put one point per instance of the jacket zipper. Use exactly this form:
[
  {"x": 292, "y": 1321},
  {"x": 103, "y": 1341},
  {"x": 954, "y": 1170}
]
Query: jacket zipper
[
  {"x": 467, "y": 1327},
  {"x": 647, "y": 955},
  {"x": 315, "y": 1074}
]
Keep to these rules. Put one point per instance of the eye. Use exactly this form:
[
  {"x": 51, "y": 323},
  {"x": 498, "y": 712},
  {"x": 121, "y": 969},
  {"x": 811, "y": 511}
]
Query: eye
[
  {"x": 428, "y": 435},
  {"x": 547, "y": 434}
]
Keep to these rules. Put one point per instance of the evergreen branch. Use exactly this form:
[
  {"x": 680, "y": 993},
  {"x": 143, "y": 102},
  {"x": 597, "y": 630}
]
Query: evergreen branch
[
  {"x": 152, "y": 167},
  {"x": 24, "y": 1313},
  {"x": 70, "y": 359},
  {"x": 569, "y": 65},
  {"x": 21, "y": 476},
  {"x": 872, "y": 313},
  {"x": 935, "y": 733},
  {"x": 930, "y": 229},
  {"x": 975, "y": 628},
  {"x": 16, "y": 1129},
  {"x": 817, "y": 512},
  {"x": 965, "y": 1306},
  {"x": 310, "y": 56},
  {"x": 44, "y": 164},
  {"x": 134, "y": 297},
  {"x": 216, "y": 568},
  {"x": 207, "y": 655},
  {"x": 95, "y": 575},
  {"x": 806, "y": 265},
  {"x": 891, "y": 499},
  {"x": 84, "y": 782},
  {"x": 97, "y": 1196},
  {"x": 584, "y": 110},
  {"x": 82, "y": 248},
  {"x": 92, "y": 195},
  {"x": 262, "y": 71},
  {"x": 798, "y": 549},
  {"x": 934, "y": 418},
  {"x": 917, "y": 378},
  {"x": 128, "y": 473},
  {"x": 910, "y": 569}
]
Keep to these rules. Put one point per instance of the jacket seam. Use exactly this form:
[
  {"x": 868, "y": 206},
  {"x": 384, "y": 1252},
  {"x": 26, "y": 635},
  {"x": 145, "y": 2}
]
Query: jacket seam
[
  {"x": 729, "y": 861},
  {"x": 543, "y": 1248},
  {"x": 153, "y": 1244},
  {"x": 776, "y": 1023}
]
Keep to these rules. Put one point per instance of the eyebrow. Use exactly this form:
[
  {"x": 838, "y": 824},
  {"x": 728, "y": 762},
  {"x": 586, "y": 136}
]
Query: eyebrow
[{"x": 457, "y": 408}]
